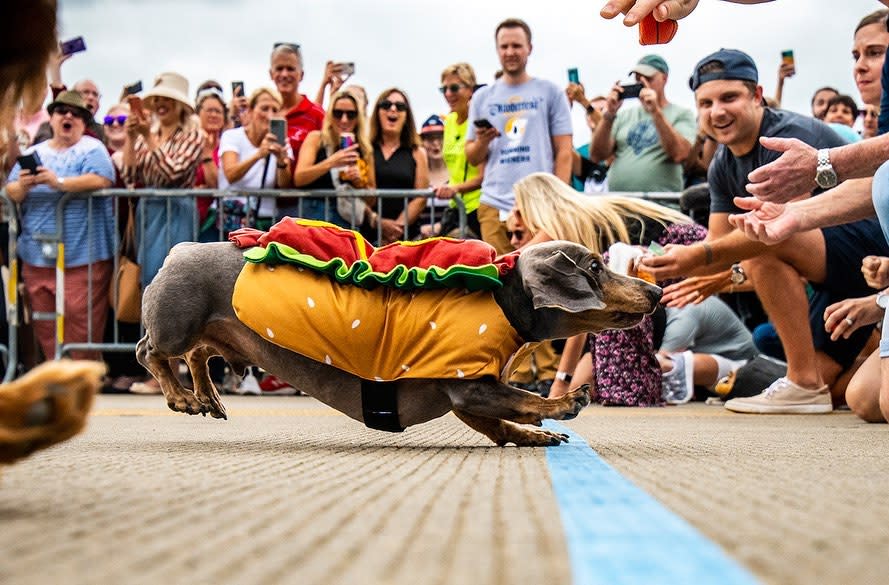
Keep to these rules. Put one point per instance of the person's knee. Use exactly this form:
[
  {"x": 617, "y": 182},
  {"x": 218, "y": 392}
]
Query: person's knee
[{"x": 864, "y": 400}]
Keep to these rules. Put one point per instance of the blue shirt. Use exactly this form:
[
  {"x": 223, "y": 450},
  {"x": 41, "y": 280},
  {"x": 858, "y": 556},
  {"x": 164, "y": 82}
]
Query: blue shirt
[{"x": 88, "y": 233}]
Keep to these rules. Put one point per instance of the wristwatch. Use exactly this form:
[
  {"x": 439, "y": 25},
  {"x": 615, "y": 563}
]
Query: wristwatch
[
  {"x": 825, "y": 176},
  {"x": 738, "y": 275},
  {"x": 564, "y": 377},
  {"x": 883, "y": 299},
  {"x": 61, "y": 183}
]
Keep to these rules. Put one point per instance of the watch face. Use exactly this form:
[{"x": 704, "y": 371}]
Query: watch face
[{"x": 826, "y": 178}]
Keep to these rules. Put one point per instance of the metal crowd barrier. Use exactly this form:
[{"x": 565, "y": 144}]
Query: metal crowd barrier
[{"x": 53, "y": 245}]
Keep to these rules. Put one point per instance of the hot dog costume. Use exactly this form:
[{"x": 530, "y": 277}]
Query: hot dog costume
[{"x": 407, "y": 310}]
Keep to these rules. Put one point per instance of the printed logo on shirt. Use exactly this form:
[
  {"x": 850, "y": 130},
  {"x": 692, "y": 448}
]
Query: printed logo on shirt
[
  {"x": 515, "y": 129},
  {"x": 642, "y": 136}
]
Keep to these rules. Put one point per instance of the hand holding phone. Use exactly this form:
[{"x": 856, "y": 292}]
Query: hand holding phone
[
  {"x": 133, "y": 89},
  {"x": 278, "y": 127},
  {"x": 573, "y": 75},
  {"x": 345, "y": 69},
  {"x": 482, "y": 124}
]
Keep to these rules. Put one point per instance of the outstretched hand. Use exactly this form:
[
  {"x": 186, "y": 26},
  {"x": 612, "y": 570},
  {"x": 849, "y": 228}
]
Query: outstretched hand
[
  {"x": 636, "y": 10},
  {"x": 765, "y": 222},
  {"x": 789, "y": 177}
]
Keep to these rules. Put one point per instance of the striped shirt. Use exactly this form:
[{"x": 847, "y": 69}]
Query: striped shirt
[
  {"x": 172, "y": 165},
  {"x": 88, "y": 223}
]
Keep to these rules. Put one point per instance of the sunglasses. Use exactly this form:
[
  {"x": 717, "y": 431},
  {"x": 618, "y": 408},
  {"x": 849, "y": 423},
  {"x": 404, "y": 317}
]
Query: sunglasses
[
  {"x": 110, "y": 120},
  {"x": 62, "y": 110},
  {"x": 349, "y": 114},
  {"x": 387, "y": 105},
  {"x": 453, "y": 88},
  {"x": 294, "y": 46},
  {"x": 518, "y": 234}
]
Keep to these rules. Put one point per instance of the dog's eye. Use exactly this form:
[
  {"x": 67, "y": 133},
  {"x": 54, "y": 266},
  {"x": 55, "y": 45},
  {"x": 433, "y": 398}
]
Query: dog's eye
[{"x": 595, "y": 266}]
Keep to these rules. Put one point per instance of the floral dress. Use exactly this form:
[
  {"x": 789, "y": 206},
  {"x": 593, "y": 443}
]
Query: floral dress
[{"x": 626, "y": 369}]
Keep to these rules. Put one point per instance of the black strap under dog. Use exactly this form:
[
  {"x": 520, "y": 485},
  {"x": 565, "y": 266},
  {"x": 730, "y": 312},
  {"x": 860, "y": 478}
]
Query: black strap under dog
[{"x": 379, "y": 405}]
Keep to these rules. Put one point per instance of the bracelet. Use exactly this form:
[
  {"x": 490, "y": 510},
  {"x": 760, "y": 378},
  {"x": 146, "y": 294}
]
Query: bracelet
[
  {"x": 564, "y": 377},
  {"x": 708, "y": 259}
]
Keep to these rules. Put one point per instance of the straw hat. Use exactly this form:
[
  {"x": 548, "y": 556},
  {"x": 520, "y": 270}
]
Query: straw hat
[{"x": 170, "y": 85}]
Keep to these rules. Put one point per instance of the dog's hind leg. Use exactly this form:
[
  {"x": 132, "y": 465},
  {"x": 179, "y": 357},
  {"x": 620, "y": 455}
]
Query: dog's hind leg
[
  {"x": 204, "y": 388},
  {"x": 493, "y": 399},
  {"x": 503, "y": 432},
  {"x": 178, "y": 397}
]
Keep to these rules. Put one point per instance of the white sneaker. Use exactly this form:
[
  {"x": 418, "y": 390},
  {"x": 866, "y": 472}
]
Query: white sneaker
[
  {"x": 784, "y": 397},
  {"x": 678, "y": 384},
  {"x": 249, "y": 385}
]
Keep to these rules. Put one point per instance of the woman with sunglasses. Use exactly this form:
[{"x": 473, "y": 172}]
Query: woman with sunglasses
[
  {"x": 457, "y": 85},
  {"x": 116, "y": 133},
  {"x": 399, "y": 163},
  {"x": 326, "y": 159}
]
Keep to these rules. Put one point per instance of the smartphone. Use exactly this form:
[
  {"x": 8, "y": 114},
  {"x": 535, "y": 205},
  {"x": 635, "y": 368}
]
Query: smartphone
[
  {"x": 278, "y": 127},
  {"x": 631, "y": 90},
  {"x": 237, "y": 89},
  {"x": 573, "y": 75},
  {"x": 133, "y": 88},
  {"x": 656, "y": 249},
  {"x": 75, "y": 45},
  {"x": 345, "y": 69},
  {"x": 482, "y": 123},
  {"x": 787, "y": 58},
  {"x": 30, "y": 161},
  {"x": 347, "y": 139}
]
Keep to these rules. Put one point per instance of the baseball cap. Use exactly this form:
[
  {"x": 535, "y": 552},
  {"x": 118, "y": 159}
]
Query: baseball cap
[
  {"x": 735, "y": 65},
  {"x": 433, "y": 123},
  {"x": 649, "y": 65}
]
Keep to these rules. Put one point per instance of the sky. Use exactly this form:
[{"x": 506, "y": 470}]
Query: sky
[{"x": 407, "y": 43}]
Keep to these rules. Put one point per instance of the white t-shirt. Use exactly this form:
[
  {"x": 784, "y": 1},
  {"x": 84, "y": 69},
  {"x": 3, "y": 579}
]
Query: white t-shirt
[
  {"x": 527, "y": 115},
  {"x": 235, "y": 140}
]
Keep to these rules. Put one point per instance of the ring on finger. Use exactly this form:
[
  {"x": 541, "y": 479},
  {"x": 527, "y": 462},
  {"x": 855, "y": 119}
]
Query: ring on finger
[{"x": 849, "y": 321}]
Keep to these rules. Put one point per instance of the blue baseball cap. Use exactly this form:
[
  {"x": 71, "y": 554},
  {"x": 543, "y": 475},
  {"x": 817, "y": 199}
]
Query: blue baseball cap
[
  {"x": 433, "y": 124},
  {"x": 735, "y": 65}
]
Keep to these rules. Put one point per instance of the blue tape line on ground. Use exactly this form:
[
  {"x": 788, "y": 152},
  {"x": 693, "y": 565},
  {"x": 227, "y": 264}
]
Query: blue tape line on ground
[{"x": 617, "y": 533}]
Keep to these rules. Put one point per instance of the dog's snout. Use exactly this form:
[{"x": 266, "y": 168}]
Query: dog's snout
[{"x": 654, "y": 294}]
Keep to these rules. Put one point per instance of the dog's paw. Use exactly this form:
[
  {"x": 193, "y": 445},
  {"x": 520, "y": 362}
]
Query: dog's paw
[
  {"x": 536, "y": 438},
  {"x": 579, "y": 398}
]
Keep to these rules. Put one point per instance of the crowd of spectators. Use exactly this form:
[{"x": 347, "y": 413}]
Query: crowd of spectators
[{"x": 505, "y": 148}]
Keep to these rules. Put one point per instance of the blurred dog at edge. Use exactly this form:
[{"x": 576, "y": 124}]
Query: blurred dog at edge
[{"x": 50, "y": 403}]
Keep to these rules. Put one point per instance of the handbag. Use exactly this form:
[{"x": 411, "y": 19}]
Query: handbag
[{"x": 126, "y": 286}]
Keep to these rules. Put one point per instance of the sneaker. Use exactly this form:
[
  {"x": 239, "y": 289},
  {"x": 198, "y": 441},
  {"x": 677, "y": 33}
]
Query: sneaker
[
  {"x": 678, "y": 384},
  {"x": 275, "y": 386},
  {"x": 249, "y": 385},
  {"x": 784, "y": 397}
]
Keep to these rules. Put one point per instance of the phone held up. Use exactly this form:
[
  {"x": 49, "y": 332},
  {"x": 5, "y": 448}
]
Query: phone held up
[
  {"x": 237, "y": 89},
  {"x": 30, "y": 162},
  {"x": 787, "y": 58},
  {"x": 133, "y": 88},
  {"x": 630, "y": 90},
  {"x": 345, "y": 69},
  {"x": 75, "y": 45},
  {"x": 278, "y": 127},
  {"x": 347, "y": 139},
  {"x": 573, "y": 75}
]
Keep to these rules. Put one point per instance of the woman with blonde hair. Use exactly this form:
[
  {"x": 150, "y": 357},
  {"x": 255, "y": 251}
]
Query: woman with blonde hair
[
  {"x": 625, "y": 365},
  {"x": 338, "y": 153}
]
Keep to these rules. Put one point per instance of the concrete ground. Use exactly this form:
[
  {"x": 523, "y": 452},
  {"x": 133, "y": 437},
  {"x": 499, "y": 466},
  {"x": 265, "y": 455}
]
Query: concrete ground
[{"x": 289, "y": 491}]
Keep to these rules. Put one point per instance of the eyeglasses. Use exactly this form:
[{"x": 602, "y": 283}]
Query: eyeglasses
[
  {"x": 517, "y": 234},
  {"x": 453, "y": 88},
  {"x": 110, "y": 120},
  {"x": 293, "y": 46},
  {"x": 350, "y": 114},
  {"x": 387, "y": 105}
]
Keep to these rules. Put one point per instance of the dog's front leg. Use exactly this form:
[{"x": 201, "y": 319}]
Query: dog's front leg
[
  {"x": 204, "y": 388},
  {"x": 493, "y": 399},
  {"x": 503, "y": 432}
]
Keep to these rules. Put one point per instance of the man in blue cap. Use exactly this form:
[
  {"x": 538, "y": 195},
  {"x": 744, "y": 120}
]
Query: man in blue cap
[
  {"x": 649, "y": 142},
  {"x": 730, "y": 109}
]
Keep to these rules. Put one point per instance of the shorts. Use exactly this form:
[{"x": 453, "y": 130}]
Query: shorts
[{"x": 845, "y": 246}]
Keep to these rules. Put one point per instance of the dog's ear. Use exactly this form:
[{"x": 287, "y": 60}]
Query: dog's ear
[{"x": 557, "y": 281}]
